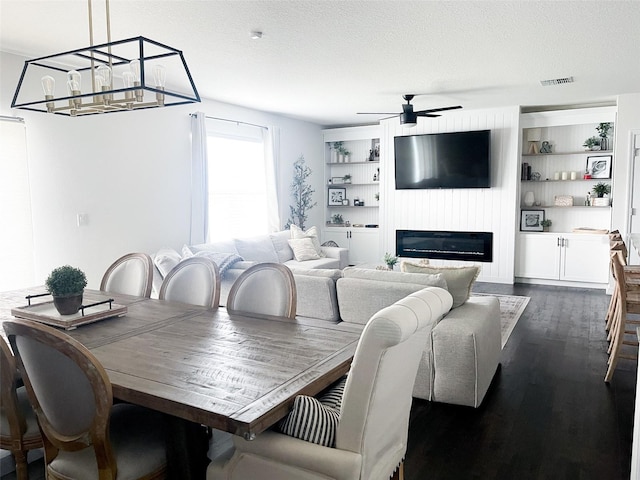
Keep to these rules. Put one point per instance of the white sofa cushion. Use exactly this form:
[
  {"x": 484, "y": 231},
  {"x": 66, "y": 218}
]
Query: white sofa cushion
[
  {"x": 312, "y": 233},
  {"x": 459, "y": 279},
  {"x": 257, "y": 249},
  {"x": 281, "y": 245},
  {"x": 222, "y": 246},
  {"x": 165, "y": 259},
  {"x": 303, "y": 249}
]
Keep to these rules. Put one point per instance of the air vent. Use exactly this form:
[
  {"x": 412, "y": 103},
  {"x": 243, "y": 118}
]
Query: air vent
[{"x": 556, "y": 81}]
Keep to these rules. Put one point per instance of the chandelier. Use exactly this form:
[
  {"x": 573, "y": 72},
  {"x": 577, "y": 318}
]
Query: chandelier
[{"x": 132, "y": 74}]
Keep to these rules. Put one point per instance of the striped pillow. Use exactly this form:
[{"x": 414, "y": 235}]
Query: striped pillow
[{"x": 313, "y": 419}]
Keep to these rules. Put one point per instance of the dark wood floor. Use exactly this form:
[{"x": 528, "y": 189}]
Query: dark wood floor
[{"x": 548, "y": 414}]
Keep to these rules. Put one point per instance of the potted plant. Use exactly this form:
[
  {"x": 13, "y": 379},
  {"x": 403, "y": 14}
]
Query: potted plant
[
  {"x": 390, "y": 260},
  {"x": 347, "y": 178},
  {"x": 66, "y": 285},
  {"x": 546, "y": 223},
  {"x": 592, "y": 143},
  {"x": 601, "y": 189}
]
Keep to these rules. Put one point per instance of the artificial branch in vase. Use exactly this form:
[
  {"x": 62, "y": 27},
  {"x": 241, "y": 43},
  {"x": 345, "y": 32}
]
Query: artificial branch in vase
[{"x": 302, "y": 194}]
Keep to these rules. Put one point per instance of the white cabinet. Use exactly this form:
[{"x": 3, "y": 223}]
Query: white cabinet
[
  {"x": 563, "y": 256},
  {"x": 363, "y": 243}
]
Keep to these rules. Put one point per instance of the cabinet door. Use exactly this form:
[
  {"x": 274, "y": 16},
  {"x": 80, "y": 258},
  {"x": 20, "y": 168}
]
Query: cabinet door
[
  {"x": 585, "y": 258},
  {"x": 364, "y": 247},
  {"x": 338, "y": 235},
  {"x": 539, "y": 256}
]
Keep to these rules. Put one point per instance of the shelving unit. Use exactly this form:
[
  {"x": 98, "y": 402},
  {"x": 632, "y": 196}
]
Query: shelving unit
[
  {"x": 358, "y": 231},
  {"x": 562, "y": 256}
]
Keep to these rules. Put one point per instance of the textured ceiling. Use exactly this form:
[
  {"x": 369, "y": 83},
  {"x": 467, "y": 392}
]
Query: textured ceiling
[{"x": 323, "y": 61}]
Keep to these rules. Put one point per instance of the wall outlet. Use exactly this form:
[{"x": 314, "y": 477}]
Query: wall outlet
[{"x": 82, "y": 219}]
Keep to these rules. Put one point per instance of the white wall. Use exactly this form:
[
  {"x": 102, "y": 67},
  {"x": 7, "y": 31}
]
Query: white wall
[
  {"x": 487, "y": 210},
  {"x": 130, "y": 172}
]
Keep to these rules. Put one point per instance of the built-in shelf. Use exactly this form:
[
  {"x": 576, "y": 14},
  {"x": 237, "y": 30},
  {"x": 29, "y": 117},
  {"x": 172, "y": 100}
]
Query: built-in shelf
[
  {"x": 352, "y": 206},
  {"x": 335, "y": 164},
  {"x": 569, "y": 180},
  {"x": 581, "y": 152},
  {"x": 534, "y": 207},
  {"x": 352, "y": 184}
]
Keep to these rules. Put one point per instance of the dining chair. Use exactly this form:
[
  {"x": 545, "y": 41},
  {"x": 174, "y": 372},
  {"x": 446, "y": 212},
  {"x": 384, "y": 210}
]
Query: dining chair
[
  {"x": 627, "y": 302},
  {"x": 372, "y": 429},
  {"x": 19, "y": 430},
  {"x": 264, "y": 289},
  {"x": 84, "y": 434},
  {"x": 131, "y": 274},
  {"x": 195, "y": 280}
]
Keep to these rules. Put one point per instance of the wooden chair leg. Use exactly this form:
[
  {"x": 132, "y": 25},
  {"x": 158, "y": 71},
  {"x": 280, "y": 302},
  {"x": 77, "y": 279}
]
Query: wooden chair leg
[
  {"x": 616, "y": 345},
  {"x": 399, "y": 473},
  {"x": 22, "y": 468}
]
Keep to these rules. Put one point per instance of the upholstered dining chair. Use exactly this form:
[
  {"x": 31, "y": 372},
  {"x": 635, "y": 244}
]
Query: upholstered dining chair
[
  {"x": 372, "y": 429},
  {"x": 84, "y": 434},
  {"x": 195, "y": 280},
  {"x": 264, "y": 289},
  {"x": 131, "y": 274},
  {"x": 19, "y": 430}
]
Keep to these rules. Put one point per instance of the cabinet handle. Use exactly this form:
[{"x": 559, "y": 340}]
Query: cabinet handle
[
  {"x": 558, "y": 242},
  {"x": 565, "y": 242}
]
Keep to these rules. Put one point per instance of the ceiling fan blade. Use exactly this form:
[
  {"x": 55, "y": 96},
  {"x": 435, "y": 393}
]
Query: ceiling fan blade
[
  {"x": 430, "y": 110},
  {"x": 425, "y": 114},
  {"x": 377, "y": 113}
]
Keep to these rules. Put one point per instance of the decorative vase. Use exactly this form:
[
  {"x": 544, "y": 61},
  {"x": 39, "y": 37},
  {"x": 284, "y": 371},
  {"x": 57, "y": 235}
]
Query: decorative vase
[
  {"x": 529, "y": 199},
  {"x": 604, "y": 143},
  {"x": 68, "y": 304}
]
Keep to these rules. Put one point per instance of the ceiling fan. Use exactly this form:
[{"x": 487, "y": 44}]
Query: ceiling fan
[{"x": 408, "y": 117}]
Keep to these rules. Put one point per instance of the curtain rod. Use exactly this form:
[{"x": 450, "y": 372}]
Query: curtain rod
[
  {"x": 232, "y": 121},
  {"x": 12, "y": 119}
]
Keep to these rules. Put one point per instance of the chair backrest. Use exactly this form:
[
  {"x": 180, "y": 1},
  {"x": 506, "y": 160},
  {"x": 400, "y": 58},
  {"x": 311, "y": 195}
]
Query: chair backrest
[
  {"x": 374, "y": 418},
  {"x": 264, "y": 289},
  {"x": 16, "y": 424},
  {"x": 131, "y": 274},
  {"x": 68, "y": 388},
  {"x": 195, "y": 280}
]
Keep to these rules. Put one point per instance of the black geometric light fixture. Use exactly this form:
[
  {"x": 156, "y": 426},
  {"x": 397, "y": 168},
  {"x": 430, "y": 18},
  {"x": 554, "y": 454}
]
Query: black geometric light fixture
[{"x": 132, "y": 74}]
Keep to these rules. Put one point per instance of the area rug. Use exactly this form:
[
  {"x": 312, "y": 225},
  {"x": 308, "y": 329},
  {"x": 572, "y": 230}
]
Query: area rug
[{"x": 511, "y": 308}]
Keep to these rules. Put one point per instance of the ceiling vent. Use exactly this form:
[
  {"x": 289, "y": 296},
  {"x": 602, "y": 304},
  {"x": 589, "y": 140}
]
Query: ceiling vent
[{"x": 556, "y": 81}]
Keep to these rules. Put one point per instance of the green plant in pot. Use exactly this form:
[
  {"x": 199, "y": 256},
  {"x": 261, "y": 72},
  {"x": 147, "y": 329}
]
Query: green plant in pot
[
  {"x": 66, "y": 285},
  {"x": 347, "y": 178},
  {"x": 390, "y": 260},
  {"x": 601, "y": 189},
  {"x": 546, "y": 223},
  {"x": 592, "y": 143}
]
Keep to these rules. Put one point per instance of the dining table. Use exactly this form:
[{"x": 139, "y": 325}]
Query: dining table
[{"x": 231, "y": 372}]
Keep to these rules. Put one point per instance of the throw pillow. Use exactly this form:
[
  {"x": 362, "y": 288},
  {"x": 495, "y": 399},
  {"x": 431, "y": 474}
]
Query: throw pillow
[
  {"x": 281, "y": 245},
  {"x": 303, "y": 249},
  {"x": 165, "y": 259},
  {"x": 258, "y": 249},
  {"x": 459, "y": 279},
  {"x": 312, "y": 233},
  {"x": 316, "y": 419},
  {"x": 311, "y": 421}
]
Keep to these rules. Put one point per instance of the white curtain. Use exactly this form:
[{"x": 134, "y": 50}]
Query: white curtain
[
  {"x": 199, "y": 197},
  {"x": 271, "y": 142}
]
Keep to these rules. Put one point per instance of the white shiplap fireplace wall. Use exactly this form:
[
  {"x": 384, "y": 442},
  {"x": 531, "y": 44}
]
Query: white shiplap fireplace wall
[{"x": 486, "y": 210}]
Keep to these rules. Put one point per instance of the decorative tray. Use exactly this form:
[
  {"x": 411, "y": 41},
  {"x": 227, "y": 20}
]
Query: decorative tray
[{"x": 46, "y": 313}]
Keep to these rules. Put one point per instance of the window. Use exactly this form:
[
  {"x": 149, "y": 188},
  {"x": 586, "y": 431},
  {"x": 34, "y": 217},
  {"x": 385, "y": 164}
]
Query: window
[{"x": 237, "y": 186}]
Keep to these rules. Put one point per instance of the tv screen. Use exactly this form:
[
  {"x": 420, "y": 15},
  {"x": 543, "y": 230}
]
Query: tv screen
[{"x": 443, "y": 160}]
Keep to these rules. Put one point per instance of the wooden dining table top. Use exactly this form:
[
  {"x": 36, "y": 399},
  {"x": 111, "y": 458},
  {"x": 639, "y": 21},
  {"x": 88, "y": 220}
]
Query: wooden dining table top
[{"x": 235, "y": 373}]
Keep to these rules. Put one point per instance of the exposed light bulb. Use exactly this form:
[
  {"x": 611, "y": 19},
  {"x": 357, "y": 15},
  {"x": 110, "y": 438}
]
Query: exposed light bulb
[
  {"x": 105, "y": 72},
  {"x": 128, "y": 80},
  {"x": 159, "y": 75},
  {"x": 74, "y": 79},
  {"x": 134, "y": 66},
  {"x": 48, "y": 85},
  {"x": 98, "y": 88}
]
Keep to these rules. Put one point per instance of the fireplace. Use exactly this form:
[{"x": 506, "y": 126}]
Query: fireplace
[{"x": 445, "y": 245}]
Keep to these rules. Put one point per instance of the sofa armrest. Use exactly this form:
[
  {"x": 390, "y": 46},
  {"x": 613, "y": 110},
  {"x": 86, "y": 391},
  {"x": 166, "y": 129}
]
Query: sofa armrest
[{"x": 340, "y": 253}]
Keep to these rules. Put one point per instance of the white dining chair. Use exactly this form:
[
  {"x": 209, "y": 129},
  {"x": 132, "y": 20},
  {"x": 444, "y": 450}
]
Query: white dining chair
[
  {"x": 195, "y": 280},
  {"x": 371, "y": 433},
  {"x": 84, "y": 434},
  {"x": 131, "y": 274},
  {"x": 264, "y": 289}
]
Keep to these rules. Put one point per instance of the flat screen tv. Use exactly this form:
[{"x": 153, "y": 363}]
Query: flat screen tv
[{"x": 443, "y": 160}]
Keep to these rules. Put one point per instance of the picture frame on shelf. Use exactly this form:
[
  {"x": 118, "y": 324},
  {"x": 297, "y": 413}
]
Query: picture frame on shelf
[
  {"x": 599, "y": 166},
  {"x": 336, "y": 181},
  {"x": 531, "y": 220},
  {"x": 335, "y": 196}
]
